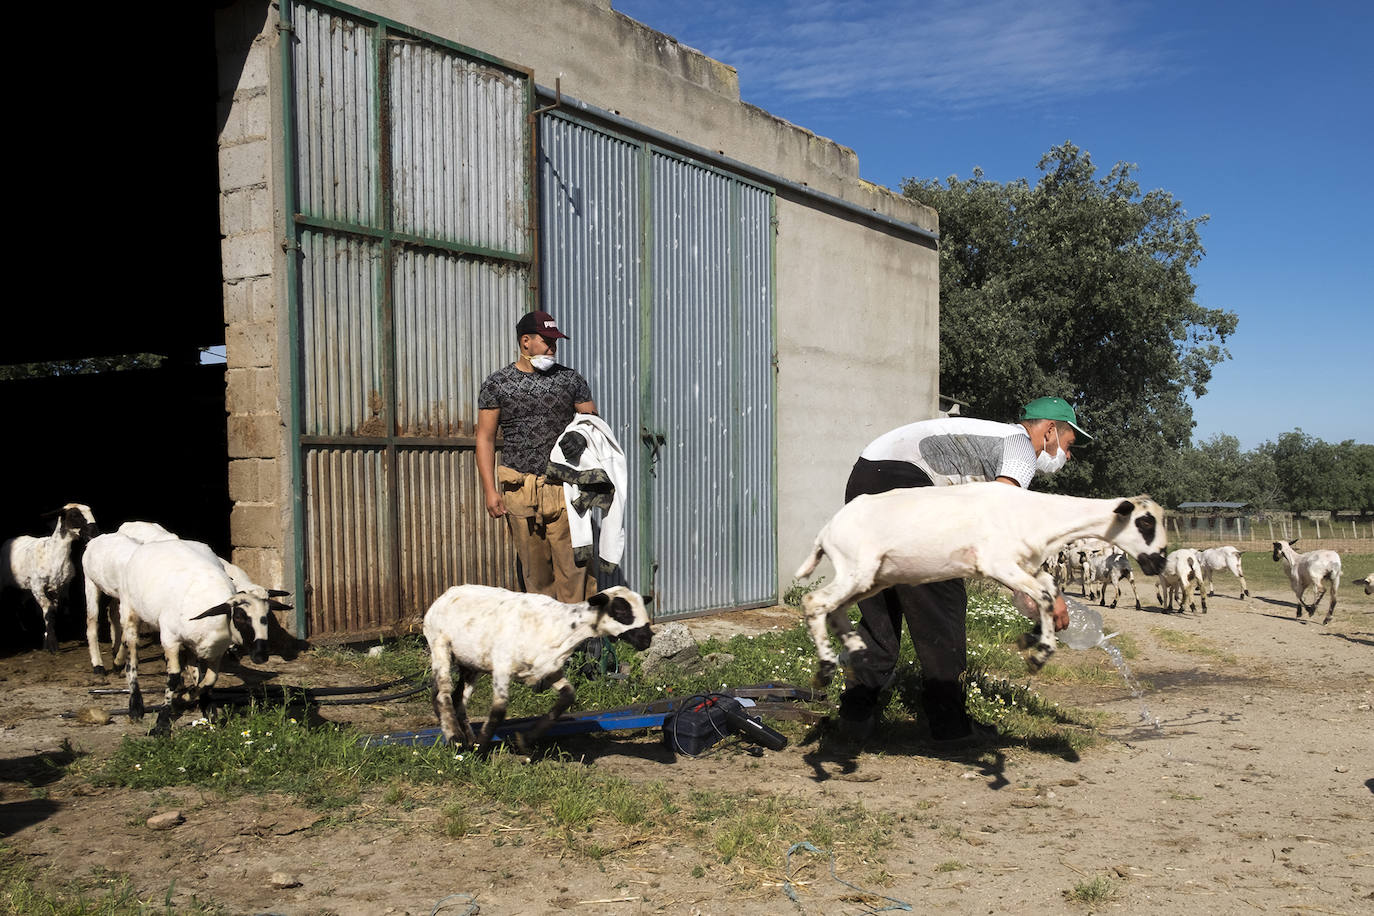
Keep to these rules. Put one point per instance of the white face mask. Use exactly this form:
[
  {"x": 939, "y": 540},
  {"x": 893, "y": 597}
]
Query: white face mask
[
  {"x": 1046, "y": 463},
  {"x": 542, "y": 363}
]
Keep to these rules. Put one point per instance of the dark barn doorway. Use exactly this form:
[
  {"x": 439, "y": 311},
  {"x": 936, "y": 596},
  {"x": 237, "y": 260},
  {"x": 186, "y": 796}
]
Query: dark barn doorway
[{"x": 122, "y": 270}]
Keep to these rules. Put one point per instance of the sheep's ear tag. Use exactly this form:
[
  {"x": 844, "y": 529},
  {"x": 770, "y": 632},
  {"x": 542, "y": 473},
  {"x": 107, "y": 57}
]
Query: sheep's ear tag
[
  {"x": 1124, "y": 507},
  {"x": 219, "y": 610}
]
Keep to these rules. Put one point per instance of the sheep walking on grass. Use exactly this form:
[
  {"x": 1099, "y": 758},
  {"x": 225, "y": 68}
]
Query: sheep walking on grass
[
  {"x": 181, "y": 588},
  {"x": 517, "y": 635}
]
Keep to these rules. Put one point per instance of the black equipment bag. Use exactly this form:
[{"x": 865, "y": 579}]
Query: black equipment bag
[{"x": 703, "y": 720}]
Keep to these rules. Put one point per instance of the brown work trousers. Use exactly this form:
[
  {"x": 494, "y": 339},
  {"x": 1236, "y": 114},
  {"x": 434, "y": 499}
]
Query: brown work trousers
[{"x": 537, "y": 518}]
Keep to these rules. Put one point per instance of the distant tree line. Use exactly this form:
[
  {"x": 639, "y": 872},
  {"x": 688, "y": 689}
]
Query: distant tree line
[{"x": 1293, "y": 473}]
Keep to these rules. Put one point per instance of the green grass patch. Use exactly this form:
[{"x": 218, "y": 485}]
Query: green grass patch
[{"x": 553, "y": 798}]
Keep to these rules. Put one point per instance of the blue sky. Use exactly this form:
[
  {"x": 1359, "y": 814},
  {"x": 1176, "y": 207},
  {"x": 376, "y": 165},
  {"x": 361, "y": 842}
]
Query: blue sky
[{"x": 1257, "y": 114}]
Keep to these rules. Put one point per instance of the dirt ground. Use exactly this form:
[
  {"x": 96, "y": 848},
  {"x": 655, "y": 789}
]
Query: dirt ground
[{"x": 1255, "y": 793}]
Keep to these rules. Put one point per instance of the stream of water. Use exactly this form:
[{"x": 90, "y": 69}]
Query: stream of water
[{"x": 1085, "y": 632}]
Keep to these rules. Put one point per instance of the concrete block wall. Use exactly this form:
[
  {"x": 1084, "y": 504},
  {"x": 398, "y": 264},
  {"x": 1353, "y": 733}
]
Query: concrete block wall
[{"x": 246, "y": 47}]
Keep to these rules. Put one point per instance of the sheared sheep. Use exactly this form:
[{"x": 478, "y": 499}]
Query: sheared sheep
[
  {"x": 43, "y": 566},
  {"x": 1182, "y": 574},
  {"x": 181, "y": 588},
  {"x": 1109, "y": 569},
  {"x": 1316, "y": 568},
  {"x": 1215, "y": 558},
  {"x": 929, "y": 534}
]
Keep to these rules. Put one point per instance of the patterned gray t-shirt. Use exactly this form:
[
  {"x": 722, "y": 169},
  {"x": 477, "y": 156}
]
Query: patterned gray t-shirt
[
  {"x": 535, "y": 406},
  {"x": 953, "y": 450}
]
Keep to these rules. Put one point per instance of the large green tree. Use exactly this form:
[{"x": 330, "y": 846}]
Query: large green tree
[{"x": 1078, "y": 286}]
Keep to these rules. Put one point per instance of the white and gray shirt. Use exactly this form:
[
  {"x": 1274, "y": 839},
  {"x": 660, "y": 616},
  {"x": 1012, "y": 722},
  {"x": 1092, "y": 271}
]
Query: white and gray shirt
[{"x": 954, "y": 450}]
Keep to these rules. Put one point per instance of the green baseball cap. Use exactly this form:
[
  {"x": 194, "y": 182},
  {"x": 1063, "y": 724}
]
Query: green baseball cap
[{"x": 1053, "y": 409}]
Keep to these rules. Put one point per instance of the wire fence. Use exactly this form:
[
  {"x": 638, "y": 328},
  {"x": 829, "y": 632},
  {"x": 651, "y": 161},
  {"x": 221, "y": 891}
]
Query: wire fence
[{"x": 1335, "y": 534}]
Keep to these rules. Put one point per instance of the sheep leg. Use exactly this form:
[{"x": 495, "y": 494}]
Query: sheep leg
[
  {"x": 172, "y": 703},
  {"x": 93, "y": 628},
  {"x": 205, "y": 680},
  {"x": 828, "y": 604},
  {"x": 468, "y": 679},
  {"x": 500, "y": 696},
  {"x": 1134, "y": 591},
  {"x": 49, "y": 608},
  {"x": 1040, "y": 588},
  {"x": 566, "y": 695},
  {"x": 441, "y": 664},
  {"x": 129, "y": 646}
]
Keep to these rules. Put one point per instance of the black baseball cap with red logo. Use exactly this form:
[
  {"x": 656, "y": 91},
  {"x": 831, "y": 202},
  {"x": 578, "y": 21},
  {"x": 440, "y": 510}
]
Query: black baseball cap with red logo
[{"x": 541, "y": 323}]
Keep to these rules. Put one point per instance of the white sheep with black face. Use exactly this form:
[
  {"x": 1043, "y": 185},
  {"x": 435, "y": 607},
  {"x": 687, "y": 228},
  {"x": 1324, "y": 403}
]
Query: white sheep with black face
[
  {"x": 103, "y": 565},
  {"x": 43, "y": 566},
  {"x": 1109, "y": 569},
  {"x": 522, "y": 636},
  {"x": 180, "y": 588},
  {"x": 1319, "y": 569},
  {"x": 1181, "y": 577},
  {"x": 930, "y": 534}
]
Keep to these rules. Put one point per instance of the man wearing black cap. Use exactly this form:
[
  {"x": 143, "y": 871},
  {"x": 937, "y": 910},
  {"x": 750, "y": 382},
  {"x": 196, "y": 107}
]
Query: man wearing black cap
[
  {"x": 530, "y": 402},
  {"x": 943, "y": 452}
]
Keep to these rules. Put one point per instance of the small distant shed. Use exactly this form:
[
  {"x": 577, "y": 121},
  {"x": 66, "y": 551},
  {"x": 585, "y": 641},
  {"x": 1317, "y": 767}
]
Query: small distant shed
[{"x": 1214, "y": 519}]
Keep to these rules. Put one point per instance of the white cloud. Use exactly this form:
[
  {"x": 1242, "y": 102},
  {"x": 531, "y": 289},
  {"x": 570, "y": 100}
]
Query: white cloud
[{"x": 945, "y": 53}]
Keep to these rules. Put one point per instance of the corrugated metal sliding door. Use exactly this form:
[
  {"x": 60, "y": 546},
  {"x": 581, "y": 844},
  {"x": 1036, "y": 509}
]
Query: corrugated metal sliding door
[
  {"x": 413, "y": 218},
  {"x": 665, "y": 267},
  {"x": 592, "y": 276},
  {"x": 710, "y": 400}
]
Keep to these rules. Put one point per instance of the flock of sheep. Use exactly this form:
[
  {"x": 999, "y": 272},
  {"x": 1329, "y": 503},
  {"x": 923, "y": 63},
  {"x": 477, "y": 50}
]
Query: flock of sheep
[
  {"x": 196, "y": 601},
  {"x": 1187, "y": 572},
  {"x": 202, "y": 605}
]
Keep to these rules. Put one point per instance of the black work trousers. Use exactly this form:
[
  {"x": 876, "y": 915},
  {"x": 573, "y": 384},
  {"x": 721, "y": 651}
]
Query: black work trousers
[{"x": 935, "y": 615}]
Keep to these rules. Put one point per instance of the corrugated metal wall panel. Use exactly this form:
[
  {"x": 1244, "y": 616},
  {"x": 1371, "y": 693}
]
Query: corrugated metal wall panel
[
  {"x": 592, "y": 272},
  {"x": 397, "y": 329},
  {"x": 335, "y": 107},
  {"x": 455, "y": 325},
  {"x": 754, "y": 459},
  {"x": 459, "y": 148},
  {"x": 348, "y": 558},
  {"x": 340, "y": 284},
  {"x": 446, "y": 537},
  {"x": 692, "y": 344}
]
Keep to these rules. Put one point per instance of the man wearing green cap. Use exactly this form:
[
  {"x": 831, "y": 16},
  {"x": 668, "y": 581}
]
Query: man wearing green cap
[{"x": 943, "y": 452}]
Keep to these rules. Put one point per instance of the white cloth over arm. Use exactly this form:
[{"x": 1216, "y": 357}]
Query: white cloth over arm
[{"x": 591, "y": 465}]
